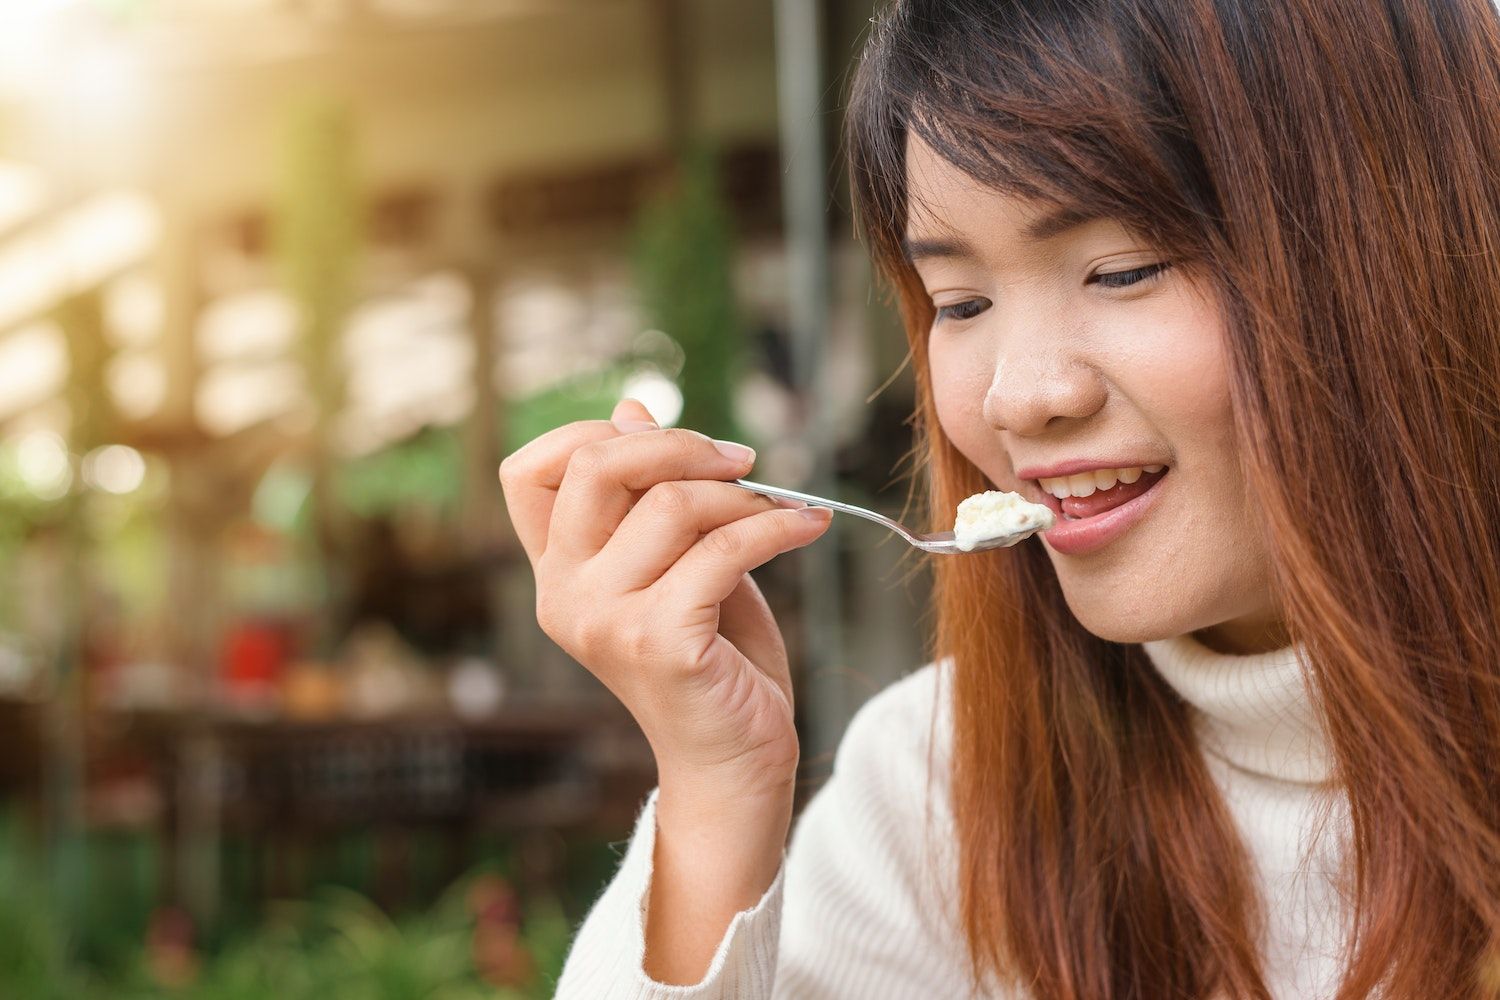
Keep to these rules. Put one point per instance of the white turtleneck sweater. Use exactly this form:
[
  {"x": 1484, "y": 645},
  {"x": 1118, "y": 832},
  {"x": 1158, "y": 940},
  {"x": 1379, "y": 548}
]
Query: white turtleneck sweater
[{"x": 864, "y": 905}]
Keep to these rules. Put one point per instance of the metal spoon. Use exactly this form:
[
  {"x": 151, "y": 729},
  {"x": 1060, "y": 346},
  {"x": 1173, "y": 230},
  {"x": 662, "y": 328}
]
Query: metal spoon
[{"x": 937, "y": 541}]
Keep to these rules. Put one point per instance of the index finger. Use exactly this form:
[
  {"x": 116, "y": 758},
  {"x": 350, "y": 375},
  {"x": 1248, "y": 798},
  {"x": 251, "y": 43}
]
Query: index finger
[{"x": 531, "y": 475}]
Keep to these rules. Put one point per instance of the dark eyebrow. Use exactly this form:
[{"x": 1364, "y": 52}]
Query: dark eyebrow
[
  {"x": 1054, "y": 223},
  {"x": 941, "y": 246},
  {"x": 1057, "y": 222}
]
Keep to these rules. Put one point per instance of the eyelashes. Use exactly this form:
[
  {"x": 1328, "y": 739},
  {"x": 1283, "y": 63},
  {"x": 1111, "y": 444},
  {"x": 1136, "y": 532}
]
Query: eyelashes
[
  {"x": 1124, "y": 279},
  {"x": 970, "y": 308},
  {"x": 967, "y": 309}
]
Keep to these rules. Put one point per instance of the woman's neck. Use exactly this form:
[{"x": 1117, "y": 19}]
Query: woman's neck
[
  {"x": 1253, "y": 710},
  {"x": 1245, "y": 636}
]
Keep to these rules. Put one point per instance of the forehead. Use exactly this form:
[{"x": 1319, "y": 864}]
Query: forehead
[{"x": 947, "y": 206}]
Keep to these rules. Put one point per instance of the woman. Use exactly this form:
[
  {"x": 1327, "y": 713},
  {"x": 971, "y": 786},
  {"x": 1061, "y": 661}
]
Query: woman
[{"x": 1233, "y": 732}]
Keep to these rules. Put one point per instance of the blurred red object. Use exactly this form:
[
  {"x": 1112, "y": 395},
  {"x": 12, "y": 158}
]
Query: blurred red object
[{"x": 256, "y": 653}]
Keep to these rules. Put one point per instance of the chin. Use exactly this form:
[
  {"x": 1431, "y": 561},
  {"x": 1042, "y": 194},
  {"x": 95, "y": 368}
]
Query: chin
[
  {"x": 1125, "y": 623},
  {"x": 1128, "y": 633}
]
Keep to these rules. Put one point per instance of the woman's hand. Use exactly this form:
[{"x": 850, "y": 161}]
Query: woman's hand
[{"x": 642, "y": 554}]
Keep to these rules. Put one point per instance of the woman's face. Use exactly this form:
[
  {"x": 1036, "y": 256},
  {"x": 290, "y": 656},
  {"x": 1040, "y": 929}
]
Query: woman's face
[{"x": 1058, "y": 340}]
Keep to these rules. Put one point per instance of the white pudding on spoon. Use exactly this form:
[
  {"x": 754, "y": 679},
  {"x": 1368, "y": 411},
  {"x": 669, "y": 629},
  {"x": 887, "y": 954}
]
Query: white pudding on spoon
[{"x": 995, "y": 514}]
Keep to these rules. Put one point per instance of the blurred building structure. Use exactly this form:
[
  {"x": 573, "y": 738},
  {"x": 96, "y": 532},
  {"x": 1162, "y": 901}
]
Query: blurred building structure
[{"x": 210, "y": 504}]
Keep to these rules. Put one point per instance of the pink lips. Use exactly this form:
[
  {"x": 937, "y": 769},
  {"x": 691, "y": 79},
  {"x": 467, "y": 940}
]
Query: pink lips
[{"x": 1077, "y": 538}]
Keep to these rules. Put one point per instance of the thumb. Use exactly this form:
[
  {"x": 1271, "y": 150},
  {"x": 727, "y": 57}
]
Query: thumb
[{"x": 631, "y": 409}]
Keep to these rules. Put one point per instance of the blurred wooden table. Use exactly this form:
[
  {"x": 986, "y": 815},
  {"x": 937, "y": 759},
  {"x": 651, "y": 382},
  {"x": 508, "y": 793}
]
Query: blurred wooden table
[{"x": 535, "y": 771}]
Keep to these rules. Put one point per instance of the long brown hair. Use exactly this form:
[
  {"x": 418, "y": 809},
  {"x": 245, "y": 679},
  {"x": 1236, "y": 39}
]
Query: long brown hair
[{"x": 1334, "y": 169}]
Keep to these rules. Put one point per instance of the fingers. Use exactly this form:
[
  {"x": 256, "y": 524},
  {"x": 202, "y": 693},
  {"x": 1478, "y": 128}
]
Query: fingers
[
  {"x": 632, "y": 415},
  {"x": 745, "y": 619},
  {"x": 667, "y": 521},
  {"x": 603, "y": 479},
  {"x": 531, "y": 475},
  {"x": 711, "y": 570}
]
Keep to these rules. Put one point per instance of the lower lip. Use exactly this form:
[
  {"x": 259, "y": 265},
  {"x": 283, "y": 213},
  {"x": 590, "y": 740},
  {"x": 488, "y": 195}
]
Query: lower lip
[{"x": 1089, "y": 534}]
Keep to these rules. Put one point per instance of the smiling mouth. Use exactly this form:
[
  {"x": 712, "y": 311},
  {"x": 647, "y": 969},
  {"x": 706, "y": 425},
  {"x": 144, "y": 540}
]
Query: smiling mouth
[{"x": 1100, "y": 501}]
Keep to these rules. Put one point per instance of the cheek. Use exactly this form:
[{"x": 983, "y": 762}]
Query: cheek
[
  {"x": 1168, "y": 356},
  {"x": 958, "y": 387}
]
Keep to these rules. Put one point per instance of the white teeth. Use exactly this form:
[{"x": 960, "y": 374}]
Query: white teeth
[
  {"x": 1082, "y": 485},
  {"x": 1085, "y": 483}
]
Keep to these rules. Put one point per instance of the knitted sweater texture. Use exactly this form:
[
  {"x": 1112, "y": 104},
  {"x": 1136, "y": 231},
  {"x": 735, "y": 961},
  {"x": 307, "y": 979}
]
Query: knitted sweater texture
[{"x": 864, "y": 906}]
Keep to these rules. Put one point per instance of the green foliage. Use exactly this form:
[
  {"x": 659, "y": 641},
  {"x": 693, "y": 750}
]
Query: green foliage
[
  {"x": 426, "y": 470},
  {"x": 684, "y": 268},
  {"x": 338, "y": 946},
  {"x": 343, "y": 947},
  {"x": 126, "y": 546},
  {"x": 587, "y": 397},
  {"x": 35, "y": 946},
  {"x": 33, "y": 953}
]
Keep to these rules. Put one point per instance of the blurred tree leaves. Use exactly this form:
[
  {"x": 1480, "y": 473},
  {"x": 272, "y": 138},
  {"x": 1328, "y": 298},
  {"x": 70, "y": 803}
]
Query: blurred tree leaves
[
  {"x": 590, "y": 396},
  {"x": 424, "y": 470},
  {"x": 684, "y": 257}
]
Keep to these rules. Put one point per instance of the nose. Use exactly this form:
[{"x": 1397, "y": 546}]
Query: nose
[{"x": 1033, "y": 388}]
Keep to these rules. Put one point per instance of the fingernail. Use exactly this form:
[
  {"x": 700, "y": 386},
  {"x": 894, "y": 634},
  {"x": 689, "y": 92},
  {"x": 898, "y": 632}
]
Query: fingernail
[
  {"x": 735, "y": 452},
  {"x": 631, "y": 426},
  {"x": 819, "y": 515}
]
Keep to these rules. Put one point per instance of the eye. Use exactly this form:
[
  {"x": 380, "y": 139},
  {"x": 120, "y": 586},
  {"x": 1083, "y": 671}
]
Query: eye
[
  {"x": 1124, "y": 279},
  {"x": 967, "y": 309}
]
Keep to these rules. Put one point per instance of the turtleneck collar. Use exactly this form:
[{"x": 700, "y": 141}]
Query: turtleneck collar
[{"x": 1253, "y": 711}]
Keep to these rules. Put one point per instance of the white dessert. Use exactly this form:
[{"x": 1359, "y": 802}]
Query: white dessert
[{"x": 993, "y": 514}]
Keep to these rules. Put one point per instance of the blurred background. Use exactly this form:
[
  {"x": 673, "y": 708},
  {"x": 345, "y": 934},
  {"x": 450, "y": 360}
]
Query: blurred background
[{"x": 281, "y": 282}]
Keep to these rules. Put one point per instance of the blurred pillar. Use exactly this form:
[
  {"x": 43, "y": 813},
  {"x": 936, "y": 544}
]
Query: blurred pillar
[
  {"x": 480, "y": 518},
  {"x": 799, "y": 33},
  {"x": 484, "y": 530},
  {"x": 190, "y": 642},
  {"x": 81, "y": 317},
  {"x": 176, "y": 273},
  {"x": 677, "y": 93},
  {"x": 198, "y": 770},
  {"x": 317, "y": 232}
]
